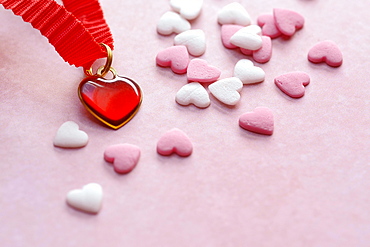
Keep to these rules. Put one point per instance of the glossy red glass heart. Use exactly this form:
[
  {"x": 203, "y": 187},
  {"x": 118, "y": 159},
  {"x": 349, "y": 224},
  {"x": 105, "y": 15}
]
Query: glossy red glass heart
[{"x": 112, "y": 101}]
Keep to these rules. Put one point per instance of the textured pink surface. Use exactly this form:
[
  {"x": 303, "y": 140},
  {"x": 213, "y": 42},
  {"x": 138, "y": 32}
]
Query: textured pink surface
[{"x": 306, "y": 185}]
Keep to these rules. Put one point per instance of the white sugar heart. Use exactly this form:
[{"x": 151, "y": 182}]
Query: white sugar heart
[
  {"x": 193, "y": 93},
  {"x": 189, "y": 9},
  {"x": 227, "y": 90},
  {"x": 69, "y": 136},
  {"x": 248, "y": 73},
  {"x": 234, "y": 13},
  {"x": 88, "y": 199},
  {"x": 248, "y": 38},
  {"x": 194, "y": 40},
  {"x": 171, "y": 22}
]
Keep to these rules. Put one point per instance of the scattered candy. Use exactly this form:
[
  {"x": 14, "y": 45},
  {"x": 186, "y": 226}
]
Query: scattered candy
[
  {"x": 175, "y": 141},
  {"x": 288, "y": 21},
  {"x": 248, "y": 38},
  {"x": 260, "y": 121},
  {"x": 69, "y": 136},
  {"x": 176, "y": 57},
  {"x": 124, "y": 157},
  {"x": 189, "y": 9},
  {"x": 293, "y": 83},
  {"x": 200, "y": 71},
  {"x": 264, "y": 54},
  {"x": 248, "y": 73},
  {"x": 171, "y": 22},
  {"x": 89, "y": 199},
  {"x": 227, "y": 90},
  {"x": 267, "y": 23},
  {"x": 234, "y": 13},
  {"x": 227, "y": 31},
  {"x": 194, "y": 40},
  {"x": 193, "y": 93},
  {"x": 326, "y": 51}
]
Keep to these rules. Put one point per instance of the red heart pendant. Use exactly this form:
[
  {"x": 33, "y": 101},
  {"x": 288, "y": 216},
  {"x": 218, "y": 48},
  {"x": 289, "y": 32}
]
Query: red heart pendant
[{"x": 112, "y": 101}]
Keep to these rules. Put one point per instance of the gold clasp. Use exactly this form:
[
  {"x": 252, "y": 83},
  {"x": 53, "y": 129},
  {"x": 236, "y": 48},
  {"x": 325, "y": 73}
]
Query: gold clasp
[{"x": 103, "y": 70}]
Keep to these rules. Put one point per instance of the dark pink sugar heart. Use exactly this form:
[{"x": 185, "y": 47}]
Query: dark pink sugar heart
[{"x": 293, "y": 83}]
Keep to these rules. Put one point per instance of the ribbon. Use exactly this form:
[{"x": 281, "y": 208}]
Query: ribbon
[{"x": 75, "y": 30}]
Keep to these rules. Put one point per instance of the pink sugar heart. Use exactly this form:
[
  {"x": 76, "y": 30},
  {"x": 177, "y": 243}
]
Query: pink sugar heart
[
  {"x": 175, "y": 141},
  {"x": 293, "y": 83},
  {"x": 262, "y": 55},
  {"x": 267, "y": 23},
  {"x": 200, "y": 71},
  {"x": 124, "y": 157},
  {"x": 227, "y": 31},
  {"x": 326, "y": 51},
  {"x": 176, "y": 57},
  {"x": 288, "y": 21},
  {"x": 260, "y": 121}
]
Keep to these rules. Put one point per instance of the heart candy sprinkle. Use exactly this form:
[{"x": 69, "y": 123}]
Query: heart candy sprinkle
[
  {"x": 175, "y": 141},
  {"x": 234, "y": 13},
  {"x": 171, "y": 22},
  {"x": 260, "y": 121},
  {"x": 267, "y": 23},
  {"x": 88, "y": 199},
  {"x": 227, "y": 90},
  {"x": 293, "y": 83},
  {"x": 193, "y": 93},
  {"x": 124, "y": 157},
  {"x": 69, "y": 136},
  {"x": 189, "y": 9},
  {"x": 194, "y": 40},
  {"x": 176, "y": 57},
  {"x": 227, "y": 31},
  {"x": 248, "y": 73},
  {"x": 288, "y": 21},
  {"x": 326, "y": 51},
  {"x": 200, "y": 71},
  {"x": 248, "y": 38}
]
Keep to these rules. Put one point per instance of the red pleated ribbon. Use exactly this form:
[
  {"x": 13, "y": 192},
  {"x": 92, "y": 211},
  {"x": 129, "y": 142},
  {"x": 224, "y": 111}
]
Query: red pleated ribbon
[{"x": 75, "y": 29}]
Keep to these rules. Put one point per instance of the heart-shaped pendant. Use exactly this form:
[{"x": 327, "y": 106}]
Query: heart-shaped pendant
[{"x": 113, "y": 101}]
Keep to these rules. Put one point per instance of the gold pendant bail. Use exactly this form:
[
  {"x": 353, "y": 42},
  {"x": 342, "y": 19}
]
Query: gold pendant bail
[{"x": 103, "y": 70}]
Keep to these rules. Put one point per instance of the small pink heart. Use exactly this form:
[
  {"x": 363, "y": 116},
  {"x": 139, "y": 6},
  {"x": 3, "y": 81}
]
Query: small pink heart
[
  {"x": 326, "y": 51},
  {"x": 267, "y": 23},
  {"x": 262, "y": 55},
  {"x": 175, "y": 141},
  {"x": 293, "y": 83},
  {"x": 260, "y": 121},
  {"x": 200, "y": 71},
  {"x": 176, "y": 57},
  {"x": 288, "y": 21},
  {"x": 124, "y": 157},
  {"x": 227, "y": 31}
]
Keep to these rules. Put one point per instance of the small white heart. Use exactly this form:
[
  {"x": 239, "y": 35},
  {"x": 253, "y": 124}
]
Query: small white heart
[
  {"x": 234, "y": 13},
  {"x": 194, "y": 40},
  {"x": 69, "y": 136},
  {"x": 248, "y": 38},
  {"x": 193, "y": 93},
  {"x": 248, "y": 73},
  {"x": 189, "y": 9},
  {"x": 171, "y": 22},
  {"x": 227, "y": 90},
  {"x": 89, "y": 199}
]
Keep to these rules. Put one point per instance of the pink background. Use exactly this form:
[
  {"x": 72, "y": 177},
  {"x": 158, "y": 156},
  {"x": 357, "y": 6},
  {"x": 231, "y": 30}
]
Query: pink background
[{"x": 306, "y": 185}]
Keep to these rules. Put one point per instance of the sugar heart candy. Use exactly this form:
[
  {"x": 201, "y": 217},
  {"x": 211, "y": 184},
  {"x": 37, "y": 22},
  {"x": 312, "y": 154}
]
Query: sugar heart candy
[
  {"x": 189, "y": 9},
  {"x": 267, "y": 23},
  {"x": 171, "y": 22},
  {"x": 194, "y": 40},
  {"x": 88, "y": 199},
  {"x": 124, "y": 157},
  {"x": 326, "y": 51},
  {"x": 234, "y": 13},
  {"x": 227, "y": 90},
  {"x": 247, "y": 72},
  {"x": 176, "y": 57},
  {"x": 200, "y": 71},
  {"x": 193, "y": 93},
  {"x": 175, "y": 141},
  {"x": 288, "y": 21},
  {"x": 69, "y": 136},
  {"x": 293, "y": 83},
  {"x": 260, "y": 121},
  {"x": 227, "y": 31},
  {"x": 248, "y": 38}
]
